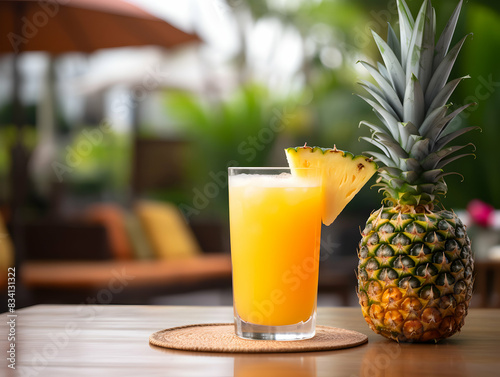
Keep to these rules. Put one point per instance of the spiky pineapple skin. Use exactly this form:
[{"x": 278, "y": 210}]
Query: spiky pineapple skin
[{"x": 415, "y": 274}]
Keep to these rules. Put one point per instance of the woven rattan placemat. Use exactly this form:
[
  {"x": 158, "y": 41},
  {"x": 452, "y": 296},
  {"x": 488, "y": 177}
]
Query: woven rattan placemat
[{"x": 220, "y": 337}]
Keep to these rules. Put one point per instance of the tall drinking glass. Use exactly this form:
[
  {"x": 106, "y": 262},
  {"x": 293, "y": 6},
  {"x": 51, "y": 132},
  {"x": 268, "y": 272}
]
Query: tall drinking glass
[{"x": 275, "y": 224}]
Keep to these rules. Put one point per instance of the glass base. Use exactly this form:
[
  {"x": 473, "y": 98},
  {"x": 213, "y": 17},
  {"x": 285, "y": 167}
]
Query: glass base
[{"x": 299, "y": 331}]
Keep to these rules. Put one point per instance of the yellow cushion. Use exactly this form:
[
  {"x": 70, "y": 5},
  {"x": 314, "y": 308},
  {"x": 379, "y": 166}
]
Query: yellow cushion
[{"x": 169, "y": 235}]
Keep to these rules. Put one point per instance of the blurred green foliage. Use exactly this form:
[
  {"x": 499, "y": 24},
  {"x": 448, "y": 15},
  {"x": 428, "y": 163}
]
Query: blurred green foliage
[
  {"x": 235, "y": 130},
  {"x": 333, "y": 113},
  {"x": 479, "y": 59},
  {"x": 219, "y": 128},
  {"x": 98, "y": 169}
]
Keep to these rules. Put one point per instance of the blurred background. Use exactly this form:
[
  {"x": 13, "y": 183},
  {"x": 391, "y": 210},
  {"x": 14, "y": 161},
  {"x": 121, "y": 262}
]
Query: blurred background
[{"x": 118, "y": 121}]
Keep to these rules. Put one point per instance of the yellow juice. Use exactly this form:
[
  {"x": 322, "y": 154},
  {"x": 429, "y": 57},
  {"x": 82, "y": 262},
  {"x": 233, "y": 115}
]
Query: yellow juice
[{"x": 275, "y": 237}]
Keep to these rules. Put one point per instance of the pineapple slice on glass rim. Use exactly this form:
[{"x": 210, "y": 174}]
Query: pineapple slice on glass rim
[{"x": 342, "y": 173}]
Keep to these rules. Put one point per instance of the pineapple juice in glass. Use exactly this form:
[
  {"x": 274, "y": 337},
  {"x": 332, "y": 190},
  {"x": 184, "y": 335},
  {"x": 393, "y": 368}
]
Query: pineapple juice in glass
[{"x": 275, "y": 224}]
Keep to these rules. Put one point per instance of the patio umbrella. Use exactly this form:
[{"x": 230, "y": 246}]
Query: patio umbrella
[
  {"x": 82, "y": 25},
  {"x": 57, "y": 26}
]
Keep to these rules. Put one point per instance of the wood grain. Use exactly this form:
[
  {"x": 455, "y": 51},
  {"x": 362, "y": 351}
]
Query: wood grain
[{"x": 72, "y": 340}]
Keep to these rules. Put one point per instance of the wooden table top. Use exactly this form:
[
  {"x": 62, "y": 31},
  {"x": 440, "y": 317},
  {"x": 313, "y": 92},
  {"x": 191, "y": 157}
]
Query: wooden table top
[{"x": 86, "y": 340}]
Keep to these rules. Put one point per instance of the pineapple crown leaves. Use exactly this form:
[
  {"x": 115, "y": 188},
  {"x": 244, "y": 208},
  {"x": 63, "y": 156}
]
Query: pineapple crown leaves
[{"x": 410, "y": 97}]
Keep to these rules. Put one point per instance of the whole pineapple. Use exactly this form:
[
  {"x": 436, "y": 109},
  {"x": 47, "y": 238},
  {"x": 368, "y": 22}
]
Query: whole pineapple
[{"x": 415, "y": 268}]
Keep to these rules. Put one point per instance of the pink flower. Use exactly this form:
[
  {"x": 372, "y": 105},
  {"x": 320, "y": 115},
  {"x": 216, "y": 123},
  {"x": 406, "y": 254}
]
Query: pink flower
[{"x": 481, "y": 213}]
